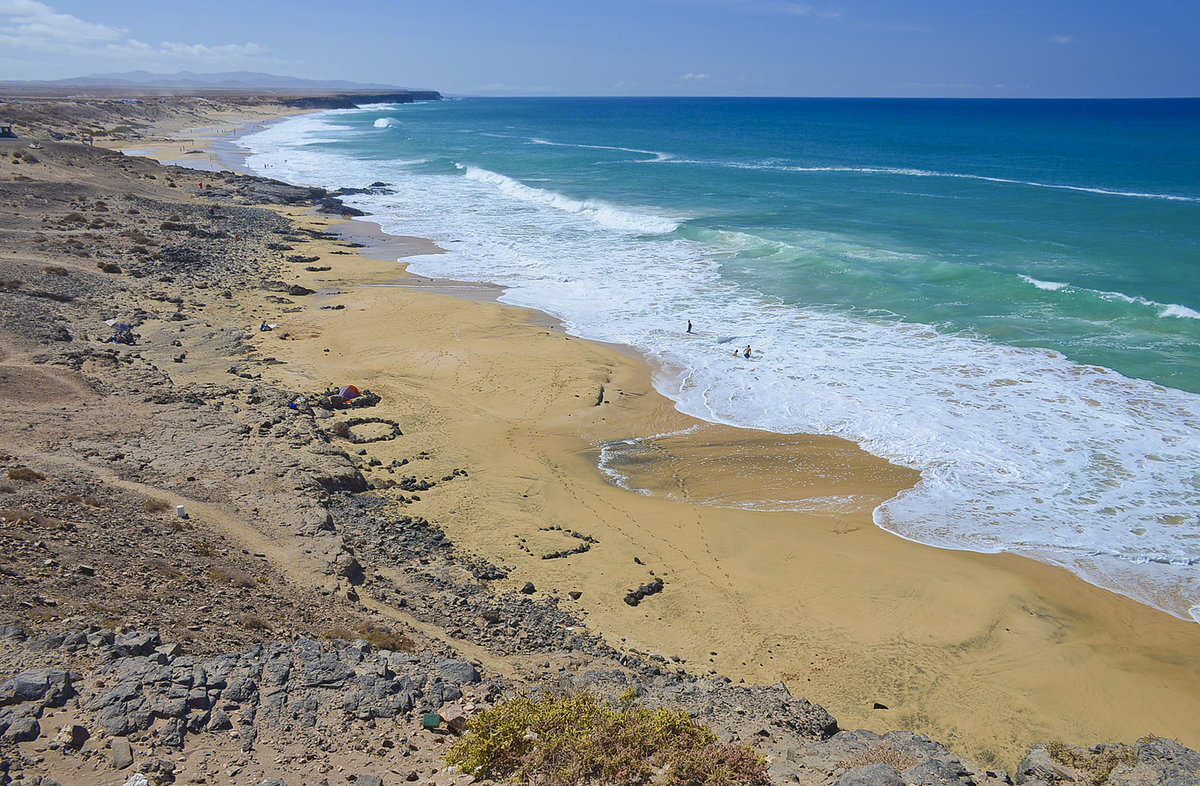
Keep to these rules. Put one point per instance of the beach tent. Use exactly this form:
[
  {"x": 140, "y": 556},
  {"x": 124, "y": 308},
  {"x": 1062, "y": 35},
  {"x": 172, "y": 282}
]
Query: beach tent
[{"x": 349, "y": 392}]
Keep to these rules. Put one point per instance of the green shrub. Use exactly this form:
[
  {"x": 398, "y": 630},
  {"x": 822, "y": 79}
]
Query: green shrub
[{"x": 580, "y": 738}]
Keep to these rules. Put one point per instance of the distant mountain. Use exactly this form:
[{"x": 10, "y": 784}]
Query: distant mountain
[{"x": 229, "y": 80}]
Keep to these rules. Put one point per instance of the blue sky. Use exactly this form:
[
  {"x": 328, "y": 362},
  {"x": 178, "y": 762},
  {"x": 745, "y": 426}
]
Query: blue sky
[{"x": 935, "y": 48}]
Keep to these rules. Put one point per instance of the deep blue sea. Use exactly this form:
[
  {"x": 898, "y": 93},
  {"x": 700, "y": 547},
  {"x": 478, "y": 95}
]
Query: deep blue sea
[{"x": 1004, "y": 295}]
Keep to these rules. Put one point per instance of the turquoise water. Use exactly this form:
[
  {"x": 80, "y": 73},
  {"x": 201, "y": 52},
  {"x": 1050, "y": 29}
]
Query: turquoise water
[{"x": 1002, "y": 294}]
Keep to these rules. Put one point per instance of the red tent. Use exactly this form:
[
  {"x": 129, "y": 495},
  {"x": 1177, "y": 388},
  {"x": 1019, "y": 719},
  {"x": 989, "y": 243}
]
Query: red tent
[{"x": 349, "y": 392}]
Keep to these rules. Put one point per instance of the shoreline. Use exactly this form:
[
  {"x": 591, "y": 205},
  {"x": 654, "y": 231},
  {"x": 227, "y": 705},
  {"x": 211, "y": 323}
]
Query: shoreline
[{"x": 886, "y": 602}]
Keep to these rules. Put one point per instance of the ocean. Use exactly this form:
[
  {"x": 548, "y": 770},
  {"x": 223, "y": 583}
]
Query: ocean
[{"x": 1003, "y": 295}]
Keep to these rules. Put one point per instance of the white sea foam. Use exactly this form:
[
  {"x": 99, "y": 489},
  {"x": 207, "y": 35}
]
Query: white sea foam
[
  {"x": 1164, "y": 309},
  {"x": 1019, "y": 449},
  {"x": 1049, "y": 286},
  {"x": 605, "y": 215},
  {"x": 1182, "y": 312},
  {"x": 386, "y": 122},
  {"x": 910, "y": 172},
  {"x": 655, "y": 155}
]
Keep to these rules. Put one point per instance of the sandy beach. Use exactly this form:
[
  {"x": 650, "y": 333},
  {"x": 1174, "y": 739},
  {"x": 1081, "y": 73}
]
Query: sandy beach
[
  {"x": 987, "y": 654},
  {"x": 991, "y": 652}
]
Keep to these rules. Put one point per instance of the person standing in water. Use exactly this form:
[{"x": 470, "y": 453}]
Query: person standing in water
[
  {"x": 746, "y": 352},
  {"x": 689, "y": 326}
]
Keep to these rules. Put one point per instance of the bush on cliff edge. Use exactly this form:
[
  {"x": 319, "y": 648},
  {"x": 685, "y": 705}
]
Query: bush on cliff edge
[{"x": 581, "y": 738}]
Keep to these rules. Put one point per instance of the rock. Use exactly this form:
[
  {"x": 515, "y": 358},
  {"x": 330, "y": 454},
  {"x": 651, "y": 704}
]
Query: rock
[
  {"x": 122, "y": 753},
  {"x": 1161, "y": 761},
  {"x": 1039, "y": 766},
  {"x": 219, "y": 721},
  {"x": 22, "y": 728},
  {"x": 51, "y": 642},
  {"x": 368, "y": 780},
  {"x": 158, "y": 771},
  {"x": 1154, "y": 760},
  {"x": 262, "y": 190},
  {"x": 100, "y": 638},
  {"x": 936, "y": 771},
  {"x": 71, "y": 736},
  {"x": 13, "y": 632},
  {"x": 248, "y": 735},
  {"x": 528, "y": 589},
  {"x": 173, "y": 732},
  {"x": 48, "y": 685},
  {"x": 328, "y": 671},
  {"x": 349, "y": 568},
  {"x": 457, "y": 672},
  {"x": 870, "y": 775},
  {"x": 136, "y": 643}
]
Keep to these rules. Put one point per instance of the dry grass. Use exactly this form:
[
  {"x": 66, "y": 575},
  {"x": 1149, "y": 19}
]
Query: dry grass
[
  {"x": 163, "y": 568},
  {"x": 254, "y": 622},
  {"x": 380, "y": 637},
  {"x": 882, "y": 753},
  {"x": 1096, "y": 764},
  {"x": 224, "y": 574}
]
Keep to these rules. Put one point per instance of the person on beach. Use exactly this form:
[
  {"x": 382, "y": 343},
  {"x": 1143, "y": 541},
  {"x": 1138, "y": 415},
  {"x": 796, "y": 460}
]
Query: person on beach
[
  {"x": 689, "y": 326},
  {"x": 264, "y": 326}
]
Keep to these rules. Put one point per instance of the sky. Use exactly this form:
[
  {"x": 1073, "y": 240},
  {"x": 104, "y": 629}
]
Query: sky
[{"x": 917, "y": 48}]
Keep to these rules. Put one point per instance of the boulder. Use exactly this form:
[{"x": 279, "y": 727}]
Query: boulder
[
  {"x": 47, "y": 685},
  {"x": 1039, "y": 767},
  {"x": 457, "y": 672},
  {"x": 21, "y": 728},
  {"x": 71, "y": 736}
]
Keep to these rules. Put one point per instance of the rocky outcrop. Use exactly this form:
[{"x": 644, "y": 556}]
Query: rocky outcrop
[
  {"x": 302, "y": 687},
  {"x": 351, "y": 100},
  {"x": 1153, "y": 760}
]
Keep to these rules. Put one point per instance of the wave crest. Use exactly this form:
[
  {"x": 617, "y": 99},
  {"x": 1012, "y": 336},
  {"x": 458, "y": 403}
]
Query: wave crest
[{"x": 603, "y": 214}]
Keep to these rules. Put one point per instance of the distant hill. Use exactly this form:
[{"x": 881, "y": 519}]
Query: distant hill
[{"x": 228, "y": 80}]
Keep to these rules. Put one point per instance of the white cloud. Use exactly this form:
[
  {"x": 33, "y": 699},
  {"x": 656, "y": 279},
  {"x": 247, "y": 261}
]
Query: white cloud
[
  {"x": 27, "y": 24},
  {"x": 32, "y": 26},
  {"x": 1061, "y": 39},
  {"x": 694, "y": 77}
]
